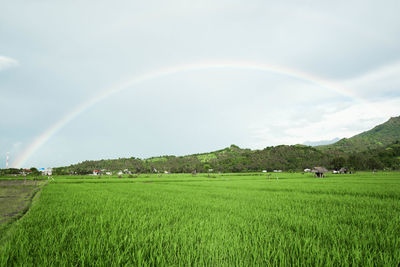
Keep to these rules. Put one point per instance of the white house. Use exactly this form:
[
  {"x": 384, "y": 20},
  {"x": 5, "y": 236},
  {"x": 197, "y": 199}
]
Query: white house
[{"x": 46, "y": 171}]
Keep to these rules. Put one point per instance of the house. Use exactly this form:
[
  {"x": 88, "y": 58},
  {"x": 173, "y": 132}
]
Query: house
[
  {"x": 343, "y": 171},
  {"x": 96, "y": 172},
  {"x": 48, "y": 171},
  {"x": 319, "y": 171},
  {"x": 26, "y": 171}
]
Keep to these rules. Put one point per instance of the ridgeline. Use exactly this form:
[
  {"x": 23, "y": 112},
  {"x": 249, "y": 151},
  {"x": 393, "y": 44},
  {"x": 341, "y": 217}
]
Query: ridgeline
[
  {"x": 378, "y": 137},
  {"x": 378, "y": 148}
]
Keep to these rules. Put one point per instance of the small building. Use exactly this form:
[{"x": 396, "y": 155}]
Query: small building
[
  {"x": 343, "y": 171},
  {"x": 96, "y": 172},
  {"x": 319, "y": 171},
  {"x": 26, "y": 171},
  {"x": 46, "y": 171},
  {"x": 277, "y": 170}
]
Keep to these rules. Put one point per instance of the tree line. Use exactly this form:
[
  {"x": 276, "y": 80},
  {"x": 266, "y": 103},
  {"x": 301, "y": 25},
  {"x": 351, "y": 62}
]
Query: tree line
[{"x": 235, "y": 159}]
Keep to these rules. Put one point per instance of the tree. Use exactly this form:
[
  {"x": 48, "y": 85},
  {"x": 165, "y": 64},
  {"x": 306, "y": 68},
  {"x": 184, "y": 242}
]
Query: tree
[
  {"x": 9, "y": 171},
  {"x": 338, "y": 162},
  {"x": 35, "y": 171}
]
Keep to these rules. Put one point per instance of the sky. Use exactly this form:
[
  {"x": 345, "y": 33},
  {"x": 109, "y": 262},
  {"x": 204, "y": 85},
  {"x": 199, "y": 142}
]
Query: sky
[{"x": 88, "y": 80}]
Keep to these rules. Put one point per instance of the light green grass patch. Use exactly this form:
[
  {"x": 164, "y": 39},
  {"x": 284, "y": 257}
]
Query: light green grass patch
[{"x": 206, "y": 157}]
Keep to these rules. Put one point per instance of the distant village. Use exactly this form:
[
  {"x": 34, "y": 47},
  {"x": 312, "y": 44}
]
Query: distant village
[{"x": 317, "y": 171}]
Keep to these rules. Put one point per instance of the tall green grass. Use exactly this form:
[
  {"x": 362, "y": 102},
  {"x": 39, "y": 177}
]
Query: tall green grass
[{"x": 227, "y": 220}]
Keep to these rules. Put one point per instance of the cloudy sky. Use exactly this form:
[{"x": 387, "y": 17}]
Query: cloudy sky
[{"x": 106, "y": 79}]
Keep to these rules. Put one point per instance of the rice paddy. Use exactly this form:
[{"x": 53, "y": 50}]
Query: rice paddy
[{"x": 246, "y": 220}]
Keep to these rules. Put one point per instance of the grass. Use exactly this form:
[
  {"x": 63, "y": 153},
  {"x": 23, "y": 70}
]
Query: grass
[{"x": 195, "y": 220}]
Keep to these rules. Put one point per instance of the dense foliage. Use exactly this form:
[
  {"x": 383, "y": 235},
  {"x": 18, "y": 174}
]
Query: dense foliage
[
  {"x": 15, "y": 171},
  {"x": 235, "y": 159}
]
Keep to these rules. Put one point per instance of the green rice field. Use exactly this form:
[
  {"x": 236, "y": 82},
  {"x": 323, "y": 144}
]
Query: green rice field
[{"x": 222, "y": 220}]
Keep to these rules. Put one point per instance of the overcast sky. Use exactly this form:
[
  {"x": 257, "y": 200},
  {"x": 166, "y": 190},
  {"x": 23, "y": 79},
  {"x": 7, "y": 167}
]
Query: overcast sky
[{"x": 58, "y": 55}]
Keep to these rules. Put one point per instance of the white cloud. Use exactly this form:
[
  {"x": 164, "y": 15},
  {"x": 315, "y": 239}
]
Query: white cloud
[
  {"x": 347, "y": 121},
  {"x": 7, "y": 62},
  {"x": 381, "y": 82}
]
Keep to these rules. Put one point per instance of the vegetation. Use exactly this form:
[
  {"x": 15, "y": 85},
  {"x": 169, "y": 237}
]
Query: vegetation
[
  {"x": 378, "y": 137},
  {"x": 374, "y": 149},
  {"x": 235, "y": 159},
  {"x": 14, "y": 171},
  {"x": 235, "y": 219},
  {"x": 212, "y": 219}
]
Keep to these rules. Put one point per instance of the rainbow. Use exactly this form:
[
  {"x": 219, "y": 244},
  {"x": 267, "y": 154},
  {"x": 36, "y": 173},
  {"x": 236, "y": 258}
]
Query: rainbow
[{"x": 235, "y": 65}]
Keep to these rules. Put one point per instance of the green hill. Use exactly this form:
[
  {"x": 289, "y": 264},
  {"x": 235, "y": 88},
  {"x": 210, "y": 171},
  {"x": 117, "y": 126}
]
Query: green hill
[
  {"x": 381, "y": 142},
  {"x": 380, "y": 136}
]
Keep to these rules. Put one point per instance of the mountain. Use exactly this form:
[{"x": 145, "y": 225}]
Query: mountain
[
  {"x": 321, "y": 143},
  {"x": 382, "y": 143},
  {"x": 380, "y": 136}
]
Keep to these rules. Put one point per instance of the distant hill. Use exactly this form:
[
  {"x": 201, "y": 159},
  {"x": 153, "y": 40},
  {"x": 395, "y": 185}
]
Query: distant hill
[
  {"x": 382, "y": 143},
  {"x": 322, "y": 142},
  {"x": 380, "y": 136},
  {"x": 230, "y": 159}
]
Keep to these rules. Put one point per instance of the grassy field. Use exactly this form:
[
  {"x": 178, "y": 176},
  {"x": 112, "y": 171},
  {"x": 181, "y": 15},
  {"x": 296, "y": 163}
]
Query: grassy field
[{"x": 196, "y": 220}]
